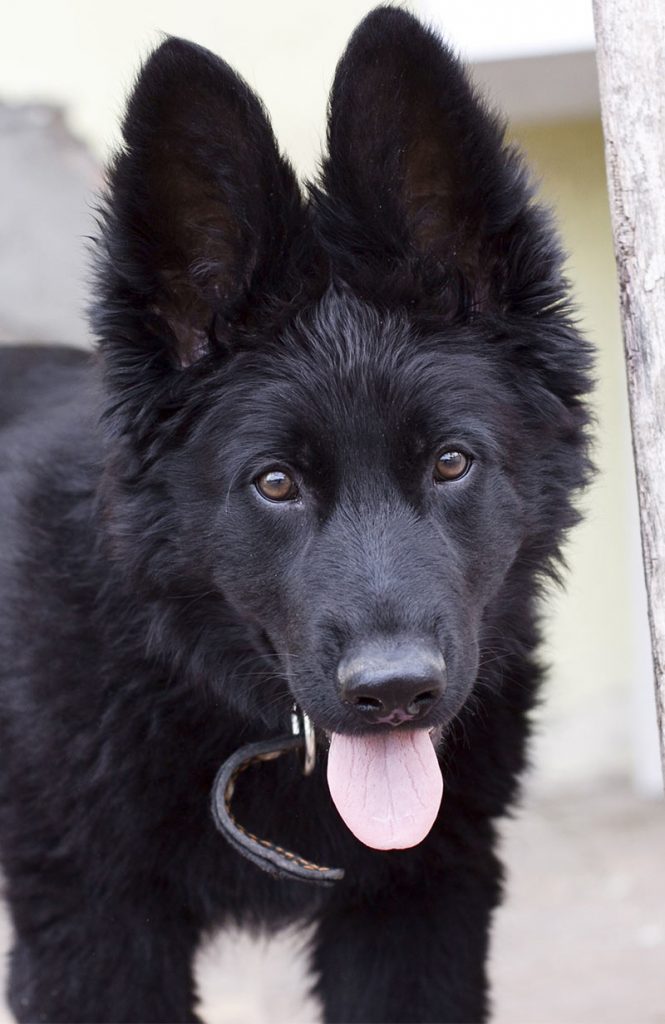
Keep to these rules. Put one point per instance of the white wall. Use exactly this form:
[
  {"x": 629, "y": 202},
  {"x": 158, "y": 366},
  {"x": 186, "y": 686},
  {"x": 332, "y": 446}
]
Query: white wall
[{"x": 84, "y": 54}]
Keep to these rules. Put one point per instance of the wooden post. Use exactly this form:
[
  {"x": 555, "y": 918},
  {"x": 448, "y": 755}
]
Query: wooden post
[{"x": 630, "y": 37}]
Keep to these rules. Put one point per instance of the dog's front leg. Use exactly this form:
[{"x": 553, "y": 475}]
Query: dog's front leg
[
  {"x": 411, "y": 952},
  {"x": 124, "y": 965}
]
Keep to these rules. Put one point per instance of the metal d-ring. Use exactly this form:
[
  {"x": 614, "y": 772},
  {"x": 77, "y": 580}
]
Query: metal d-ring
[{"x": 301, "y": 725}]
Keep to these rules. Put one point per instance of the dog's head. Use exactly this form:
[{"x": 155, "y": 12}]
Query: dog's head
[{"x": 347, "y": 426}]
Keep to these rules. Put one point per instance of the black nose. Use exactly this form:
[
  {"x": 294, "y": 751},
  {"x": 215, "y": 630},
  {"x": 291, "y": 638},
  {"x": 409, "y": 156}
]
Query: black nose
[{"x": 392, "y": 682}]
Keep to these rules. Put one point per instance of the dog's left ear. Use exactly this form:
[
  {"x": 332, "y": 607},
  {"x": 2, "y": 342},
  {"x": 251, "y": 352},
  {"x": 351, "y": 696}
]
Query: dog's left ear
[
  {"x": 418, "y": 173},
  {"x": 200, "y": 217}
]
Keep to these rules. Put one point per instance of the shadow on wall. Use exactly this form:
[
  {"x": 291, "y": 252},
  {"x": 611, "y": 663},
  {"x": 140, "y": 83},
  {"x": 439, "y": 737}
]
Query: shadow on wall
[{"x": 51, "y": 180}]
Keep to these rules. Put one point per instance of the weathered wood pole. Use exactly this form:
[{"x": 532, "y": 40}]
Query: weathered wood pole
[{"x": 630, "y": 37}]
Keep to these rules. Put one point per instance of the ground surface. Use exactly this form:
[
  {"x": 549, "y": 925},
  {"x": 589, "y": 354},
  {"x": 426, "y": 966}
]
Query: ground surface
[{"x": 580, "y": 940}]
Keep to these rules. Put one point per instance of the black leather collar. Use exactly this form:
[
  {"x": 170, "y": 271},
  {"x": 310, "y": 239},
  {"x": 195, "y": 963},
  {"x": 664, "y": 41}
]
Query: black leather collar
[{"x": 278, "y": 862}]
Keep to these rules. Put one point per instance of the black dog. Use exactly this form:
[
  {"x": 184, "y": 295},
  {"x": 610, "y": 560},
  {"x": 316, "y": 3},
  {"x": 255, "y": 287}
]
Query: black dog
[{"x": 338, "y": 443}]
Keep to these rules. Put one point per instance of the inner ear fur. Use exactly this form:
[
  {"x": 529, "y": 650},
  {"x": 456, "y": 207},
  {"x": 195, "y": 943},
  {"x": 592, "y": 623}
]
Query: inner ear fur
[{"x": 201, "y": 207}]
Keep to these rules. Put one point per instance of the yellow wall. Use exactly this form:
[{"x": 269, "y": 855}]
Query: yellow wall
[{"x": 595, "y": 630}]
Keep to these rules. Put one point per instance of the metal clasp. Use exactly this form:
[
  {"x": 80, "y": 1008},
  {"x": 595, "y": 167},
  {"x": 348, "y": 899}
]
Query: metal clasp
[{"x": 301, "y": 725}]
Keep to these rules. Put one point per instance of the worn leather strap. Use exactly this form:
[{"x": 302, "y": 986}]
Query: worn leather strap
[{"x": 278, "y": 862}]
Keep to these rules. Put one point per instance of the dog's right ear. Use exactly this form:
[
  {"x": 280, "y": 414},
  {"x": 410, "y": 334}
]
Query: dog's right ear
[{"x": 200, "y": 214}]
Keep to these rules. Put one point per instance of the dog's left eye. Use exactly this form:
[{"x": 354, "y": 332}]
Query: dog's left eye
[
  {"x": 451, "y": 465},
  {"x": 276, "y": 485}
]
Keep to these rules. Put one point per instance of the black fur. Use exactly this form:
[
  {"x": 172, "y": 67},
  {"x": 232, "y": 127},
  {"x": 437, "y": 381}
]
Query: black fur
[{"x": 157, "y": 612}]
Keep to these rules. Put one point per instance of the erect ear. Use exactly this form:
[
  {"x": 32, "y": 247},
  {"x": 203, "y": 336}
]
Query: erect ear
[
  {"x": 418, "y": 169},
  {"x": 200, "y": 213}
]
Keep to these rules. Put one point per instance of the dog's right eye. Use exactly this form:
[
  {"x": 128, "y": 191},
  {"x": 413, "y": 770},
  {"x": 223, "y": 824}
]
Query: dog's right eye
[
  {"x": 276, "y": 485},
  {"x": 451, "y": 465}
]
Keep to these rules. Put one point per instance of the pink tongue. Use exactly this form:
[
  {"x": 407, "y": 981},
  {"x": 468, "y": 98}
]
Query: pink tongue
[{"x": 387, "y": 788}]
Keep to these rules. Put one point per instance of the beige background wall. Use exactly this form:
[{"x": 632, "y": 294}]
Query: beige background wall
[
  {"x": 600, "y": 684},
  {"x": 84, "y": 55}
]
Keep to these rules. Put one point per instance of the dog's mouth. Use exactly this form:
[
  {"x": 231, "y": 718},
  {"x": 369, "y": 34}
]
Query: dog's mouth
[{"x": 386, "y": 786}]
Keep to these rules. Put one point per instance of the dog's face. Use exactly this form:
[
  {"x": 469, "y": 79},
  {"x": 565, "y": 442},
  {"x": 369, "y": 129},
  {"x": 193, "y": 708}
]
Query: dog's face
[
  {"x": 366, "y": 495},
  {"x": 360, "y": 416}
]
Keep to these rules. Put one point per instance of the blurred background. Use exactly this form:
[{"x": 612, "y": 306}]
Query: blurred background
[{"x": 582, "y": 935}]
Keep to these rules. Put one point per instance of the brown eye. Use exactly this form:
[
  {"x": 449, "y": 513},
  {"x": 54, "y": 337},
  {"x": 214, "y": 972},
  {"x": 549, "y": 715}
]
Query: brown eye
[
  {"x": 451, "y": 465},
  {"x": 276, "y": 485}
]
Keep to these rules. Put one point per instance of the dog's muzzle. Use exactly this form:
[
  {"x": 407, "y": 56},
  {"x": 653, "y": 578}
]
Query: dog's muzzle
[{"x": 277, "y": 861}]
